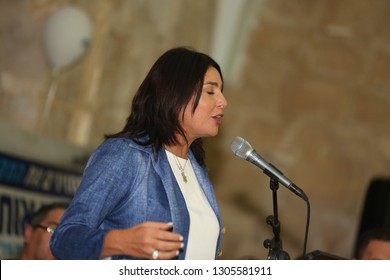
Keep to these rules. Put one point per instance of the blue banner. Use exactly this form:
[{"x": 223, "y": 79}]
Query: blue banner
[{"x": 25, "y": 186}]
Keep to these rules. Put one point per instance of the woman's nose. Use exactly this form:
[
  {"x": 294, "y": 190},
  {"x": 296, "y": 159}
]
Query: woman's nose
[{"x": 222, "y": 103}]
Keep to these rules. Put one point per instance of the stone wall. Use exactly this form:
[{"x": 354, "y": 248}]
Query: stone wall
[{"x": 312, "y": 97}]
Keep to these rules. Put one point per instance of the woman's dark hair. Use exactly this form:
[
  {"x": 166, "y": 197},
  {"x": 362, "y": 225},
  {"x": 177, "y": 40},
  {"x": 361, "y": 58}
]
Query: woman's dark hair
[{"x": 172, "y": 81}]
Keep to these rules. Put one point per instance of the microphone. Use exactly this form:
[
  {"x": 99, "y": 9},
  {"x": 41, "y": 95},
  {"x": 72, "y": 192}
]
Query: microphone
[{"x": 243, "y": 149}]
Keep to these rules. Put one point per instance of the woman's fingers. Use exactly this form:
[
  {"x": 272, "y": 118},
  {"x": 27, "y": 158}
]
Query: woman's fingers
[
  {"x": 154, "y": 236},
  {"x": 161, "y": 231}
]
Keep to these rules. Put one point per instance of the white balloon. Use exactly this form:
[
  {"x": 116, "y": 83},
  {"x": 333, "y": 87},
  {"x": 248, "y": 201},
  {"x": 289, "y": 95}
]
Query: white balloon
[{"x": 67, "y": 36}]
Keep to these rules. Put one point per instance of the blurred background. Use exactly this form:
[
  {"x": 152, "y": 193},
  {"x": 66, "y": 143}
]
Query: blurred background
[{"x": 307, "y": 83}]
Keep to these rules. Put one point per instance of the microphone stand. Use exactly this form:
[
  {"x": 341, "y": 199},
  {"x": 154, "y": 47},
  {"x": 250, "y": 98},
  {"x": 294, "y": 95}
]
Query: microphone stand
[{"x": 274, "y": 246}]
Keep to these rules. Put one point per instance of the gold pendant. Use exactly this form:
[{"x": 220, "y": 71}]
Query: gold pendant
[{"x": 184, "y": 177}]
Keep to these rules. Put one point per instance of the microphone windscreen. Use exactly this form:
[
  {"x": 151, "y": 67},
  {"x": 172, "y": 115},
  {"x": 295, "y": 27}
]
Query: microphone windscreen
[{"x": 240, "y": 147}]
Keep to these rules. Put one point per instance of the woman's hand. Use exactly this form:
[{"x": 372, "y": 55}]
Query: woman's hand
[{"x": 142, "y": 240}]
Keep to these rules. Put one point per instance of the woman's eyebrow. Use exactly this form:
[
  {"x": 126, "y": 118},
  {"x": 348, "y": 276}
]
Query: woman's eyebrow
[{"x": 211, "y": 83}]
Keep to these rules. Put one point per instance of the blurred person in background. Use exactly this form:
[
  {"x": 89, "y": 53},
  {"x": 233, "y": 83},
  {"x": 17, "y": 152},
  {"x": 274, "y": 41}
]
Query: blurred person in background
[
  {"x": 374, "y": 244},
  {"x": 39, "y": 228}
]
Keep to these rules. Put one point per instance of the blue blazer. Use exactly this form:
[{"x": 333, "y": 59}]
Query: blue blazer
[{"x": 123, "y": 185}]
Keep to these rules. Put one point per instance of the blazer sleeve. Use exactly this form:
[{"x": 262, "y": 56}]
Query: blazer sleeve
[{"x": 107, "y": 180}]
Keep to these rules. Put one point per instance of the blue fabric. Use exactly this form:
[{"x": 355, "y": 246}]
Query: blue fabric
[{"x": 125, "y": 185}]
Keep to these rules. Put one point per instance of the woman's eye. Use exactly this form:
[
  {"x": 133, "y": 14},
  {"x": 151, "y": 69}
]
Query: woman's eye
[{"x": 210, "y": 92}]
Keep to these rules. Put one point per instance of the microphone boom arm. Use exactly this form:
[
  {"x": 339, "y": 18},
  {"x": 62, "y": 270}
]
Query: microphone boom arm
[{"x": 275, "y": 173}]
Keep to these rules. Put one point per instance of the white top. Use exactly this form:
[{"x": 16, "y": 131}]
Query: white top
[{"x": 204, "y": 226}]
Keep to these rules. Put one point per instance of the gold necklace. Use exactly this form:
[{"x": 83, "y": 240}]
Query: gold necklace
[{"x": 182, "y": 169}]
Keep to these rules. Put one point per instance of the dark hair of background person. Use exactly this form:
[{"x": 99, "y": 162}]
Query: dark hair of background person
[
  {"x": 380, "y": 234},
  {"x": 376, "y": 208},
  {"x": 39, "y": 215},
  {"x": 165, "y": 91}
]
